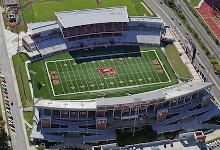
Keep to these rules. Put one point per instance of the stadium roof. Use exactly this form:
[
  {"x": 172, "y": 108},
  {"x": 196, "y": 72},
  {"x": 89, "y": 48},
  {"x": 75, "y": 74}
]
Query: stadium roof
[
  {"x": 145, "y": 19},
  {"x": 185, "y": 88},
  {"x": 91, "y": 16},
  {"x": 34, "y": 28},
  {"x": 148, "y": 96},
  {"x": 167, "y": 93},
  {"x": 85, "y": 104}
]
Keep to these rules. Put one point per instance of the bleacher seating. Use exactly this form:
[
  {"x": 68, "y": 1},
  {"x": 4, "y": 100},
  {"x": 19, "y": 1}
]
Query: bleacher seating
[{"x": 134, "y": 36}]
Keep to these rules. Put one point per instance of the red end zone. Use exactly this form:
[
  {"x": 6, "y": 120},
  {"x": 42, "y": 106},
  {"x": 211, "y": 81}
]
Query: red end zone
[{"x": 109, "y": 71}]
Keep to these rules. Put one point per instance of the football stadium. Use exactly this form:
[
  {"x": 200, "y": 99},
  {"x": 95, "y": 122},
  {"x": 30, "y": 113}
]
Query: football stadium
[{"x": 106, "y": 73}]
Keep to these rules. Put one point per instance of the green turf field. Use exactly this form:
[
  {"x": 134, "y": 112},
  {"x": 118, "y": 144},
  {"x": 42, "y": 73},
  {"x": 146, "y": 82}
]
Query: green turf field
[
  {"x": 44, "y": 10},
  {"x": 69, "y": 77},
  {"x": 75, "y": 76}
]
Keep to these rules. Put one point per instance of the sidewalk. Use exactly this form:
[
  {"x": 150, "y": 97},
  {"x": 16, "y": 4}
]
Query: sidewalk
[{"x": 12, "y": 43}]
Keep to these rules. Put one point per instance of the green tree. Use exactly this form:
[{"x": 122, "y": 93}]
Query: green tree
[
  {"x": 3, "y": 138},
  {"x": 41, "y": 147}
]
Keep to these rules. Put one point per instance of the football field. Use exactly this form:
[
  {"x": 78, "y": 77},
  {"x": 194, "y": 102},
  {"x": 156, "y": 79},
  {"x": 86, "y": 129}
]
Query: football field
[{"x": 93, "y": 74}]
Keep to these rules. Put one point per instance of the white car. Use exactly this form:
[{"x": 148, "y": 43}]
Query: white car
[
  {"x": 4, "y": 85},
  {"x": 3, "y": 77}
]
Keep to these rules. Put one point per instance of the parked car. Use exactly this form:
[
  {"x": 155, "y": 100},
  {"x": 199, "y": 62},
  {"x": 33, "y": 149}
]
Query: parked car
[
  {"x": 4, "y": 81},
  {"x": 3, "y": 77},
  {"x": 5, "y": 92},
  {"x": 5, "y": 95},
  {"x": 8, "y": 111},
  {"x": 6, "y": 100},
  {"x": 4, "y": 88},
  {"x": 11, "y": 125},
  {"x": 10, "y": 120},
  {"x": 9, "y": 116},
  {"x": 12, "y": 129},
  {"x": 3, "y": 85},
  {"x": 7, "y": 107},
  {"x": 7, "y": 104}
]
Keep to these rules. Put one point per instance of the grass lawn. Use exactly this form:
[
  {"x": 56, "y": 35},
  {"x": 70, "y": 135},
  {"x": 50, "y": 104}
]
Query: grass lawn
[
  {"x": 39, "y": 11},
  {"x": 22, "y": 79},
  {"x": 176, "y": 62},
  {"x": 194, "y": 3},
  {"x": 28, "y": 116},
  {"x": 217, "y": 20},
  {"x": 72, "y": 79}
]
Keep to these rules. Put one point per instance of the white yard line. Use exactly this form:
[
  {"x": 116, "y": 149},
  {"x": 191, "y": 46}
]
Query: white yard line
[
  {"x": 151, "y": 74},
  {"x": 100, "y": 77},
  {"x": 48, "y": 74},
  {"x": 149, "y": 71},
  {"x": 65, "y": 77},
  {"x": 90, "y": 76},
  {"x": 67, "y": 62},
  {"x": 95, "y": 75},
  {"x": 154, "y": 67},
  {"x": 74, "y": 74},
  {"x": 127, "y": 66},
  {"x": 59, "y": 79},
  {"x": 137, "y": 64},
  {"x": 81, "y": 87},
  {"x": 115, "y": 81},
  {"x": 162, "y": 66},
  {"x": 116, "y": 65}
]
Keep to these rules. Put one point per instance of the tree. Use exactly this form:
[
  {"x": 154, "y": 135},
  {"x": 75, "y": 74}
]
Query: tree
[
  {"x": 3, "y": 138},
  {"x": 41, "y": 147}
]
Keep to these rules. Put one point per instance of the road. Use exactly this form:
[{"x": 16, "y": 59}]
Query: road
[
  {"x": 18, "y": 137},
  {"x": 206, "y": 39},
  {"x": 201, "y": 61}
]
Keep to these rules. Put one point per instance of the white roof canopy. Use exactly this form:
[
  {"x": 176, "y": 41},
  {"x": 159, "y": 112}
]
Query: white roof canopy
[{"x": 92, "y": 16}]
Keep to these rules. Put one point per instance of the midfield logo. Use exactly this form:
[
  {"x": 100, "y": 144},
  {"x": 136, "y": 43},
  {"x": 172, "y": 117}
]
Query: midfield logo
[{"x": 109, "y": 71}]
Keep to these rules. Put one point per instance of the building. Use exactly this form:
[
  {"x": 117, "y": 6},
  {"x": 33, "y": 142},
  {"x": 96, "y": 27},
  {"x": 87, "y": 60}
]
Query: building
[
  {"x": 97, "y": 119},
  {"x": 10, "y": 3},
  {"x": 99, "y": 27}
]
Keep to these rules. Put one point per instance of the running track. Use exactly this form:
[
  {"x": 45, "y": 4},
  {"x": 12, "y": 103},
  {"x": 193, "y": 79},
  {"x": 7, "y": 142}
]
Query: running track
[{"x": 205, "y": 11}]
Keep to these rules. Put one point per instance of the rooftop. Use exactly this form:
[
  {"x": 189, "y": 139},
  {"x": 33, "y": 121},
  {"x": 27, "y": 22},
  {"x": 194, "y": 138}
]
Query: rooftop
[
  {"x": 86, "y": 104},
  {"x": 185, "y": 88},
  {"x": 91, "y": 16},
  {"x": 147, "y": 96},
  {"x": 10, "y": 2},
  {"x": 168, "y": 93},
  {"x": 34, "y": 28},
  {"x": 145, "y": 19}
]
